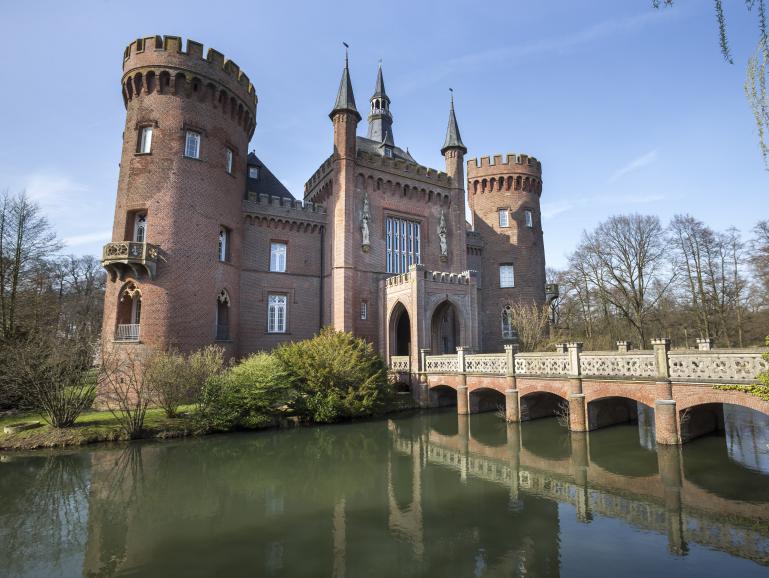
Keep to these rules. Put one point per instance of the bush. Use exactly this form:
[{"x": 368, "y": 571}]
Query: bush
[
  {"x": 336, "y": 376},
  {"x": 176, "y": 379},
  {"x": 247, "y": 396},
  {"x": 54, "y": 377}
]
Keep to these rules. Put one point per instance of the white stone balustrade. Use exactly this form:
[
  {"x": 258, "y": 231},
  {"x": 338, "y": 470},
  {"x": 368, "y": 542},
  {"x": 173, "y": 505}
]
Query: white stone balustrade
[
  {"x": 400, "y": 363},
  {"x": 618, "y": 364},
  {"x": 487, "y": 363},
  {"x": 442, "y": 364},
  {"x": 544, "y": 364},
  {"x": 724, "y": 365}
]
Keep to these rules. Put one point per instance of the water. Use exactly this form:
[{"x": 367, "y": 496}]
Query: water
[{"x": 427, "y": 495}]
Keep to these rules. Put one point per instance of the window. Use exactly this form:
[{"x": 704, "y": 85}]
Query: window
[
  {"x": 140, "y": 227},
  {"x": 364, "y": 310},
  {"x": 145, "y": 140},
  {"x": 278, "y": 257},
  {"x": 276, "y": 314},
  {"x": 224, "y": 244},
  {"x": 192, "y": 145},
  {"x": 228, "y": 160},
  {"x": 506, "y": 276},
  {"x": 403, "y": 245},
  {"x": 253, "y": 172},
  {"x": 507, "y": 323},
  {"x": 504, "y": 220},
  {"x": 388, "y": 152},
  {"x": 223, "y": 316},
  {"x": 529, "y": 218}
]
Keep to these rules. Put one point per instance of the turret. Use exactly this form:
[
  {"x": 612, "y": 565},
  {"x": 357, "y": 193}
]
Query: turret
[
  {"x": 345, "y": 115},
  {"x": 453, "y": 149},
  {"x": 380, "y": 120},
  {"x": 175, "y": 251}
]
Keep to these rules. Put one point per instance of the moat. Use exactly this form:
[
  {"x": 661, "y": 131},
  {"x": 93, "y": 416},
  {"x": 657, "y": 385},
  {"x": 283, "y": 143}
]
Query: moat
[{"x": 431, "y": 494}]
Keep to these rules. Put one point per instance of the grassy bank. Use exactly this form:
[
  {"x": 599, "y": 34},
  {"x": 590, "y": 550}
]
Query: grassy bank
[{"x": 101, "y": 426}]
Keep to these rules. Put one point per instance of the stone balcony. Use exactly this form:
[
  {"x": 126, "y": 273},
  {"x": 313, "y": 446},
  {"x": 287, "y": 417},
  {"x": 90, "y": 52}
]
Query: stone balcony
[{"x": 130, "y": 257}]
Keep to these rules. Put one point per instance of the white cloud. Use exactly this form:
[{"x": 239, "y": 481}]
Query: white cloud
[
  {"x": 553, "y": 208},
  {"x": 88, "y": 238},
  {"x": 52, "y": 190},
  {"x": 634, "y": 165}
]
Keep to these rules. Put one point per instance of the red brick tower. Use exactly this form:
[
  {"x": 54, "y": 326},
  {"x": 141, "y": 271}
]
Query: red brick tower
[
  {"x": 175, "y": 254},
  {"x": 504, "y": 200}
]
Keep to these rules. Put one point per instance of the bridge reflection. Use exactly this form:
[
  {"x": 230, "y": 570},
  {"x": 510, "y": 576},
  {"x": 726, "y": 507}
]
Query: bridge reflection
[{"x": 610, "y": 473}]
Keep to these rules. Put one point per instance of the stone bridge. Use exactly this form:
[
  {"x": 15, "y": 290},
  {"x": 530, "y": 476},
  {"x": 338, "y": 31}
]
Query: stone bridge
[
  {"x": 593, "y": 389},
  {"x": 663, "y": 501}
]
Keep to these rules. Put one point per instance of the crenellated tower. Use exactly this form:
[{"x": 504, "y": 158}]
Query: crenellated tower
[
  {"x": 504, "y": 195},
  {"x": 175, "y": 254}
]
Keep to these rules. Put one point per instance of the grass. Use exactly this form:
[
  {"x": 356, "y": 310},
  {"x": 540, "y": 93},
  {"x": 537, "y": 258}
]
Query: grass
[{"x": 91, "y": 427}]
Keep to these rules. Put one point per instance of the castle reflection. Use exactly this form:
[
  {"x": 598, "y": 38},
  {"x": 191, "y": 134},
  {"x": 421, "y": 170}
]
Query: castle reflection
[{"x": 431, "y": 494}]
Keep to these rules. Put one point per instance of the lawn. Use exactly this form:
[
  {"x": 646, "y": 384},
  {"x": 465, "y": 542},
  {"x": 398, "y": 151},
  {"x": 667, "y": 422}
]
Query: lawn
[{"x": 90, "y": 427}]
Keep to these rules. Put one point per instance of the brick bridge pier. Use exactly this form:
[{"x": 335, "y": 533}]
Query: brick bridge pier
[{"x": 593, "y": 389}]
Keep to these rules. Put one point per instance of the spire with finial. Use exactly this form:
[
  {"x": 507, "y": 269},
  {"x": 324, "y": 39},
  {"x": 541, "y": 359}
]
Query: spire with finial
[
  {"x": 453, "y": 138},
  {"x": 380, "y": 121},
  {"x": 345, "y": 99}
]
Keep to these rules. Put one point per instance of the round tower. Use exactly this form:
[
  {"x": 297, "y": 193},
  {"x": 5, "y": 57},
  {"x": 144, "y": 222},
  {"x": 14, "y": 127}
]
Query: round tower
[
  {"x": 504, "y": 201},
  {"x": 174, "y": 259}
]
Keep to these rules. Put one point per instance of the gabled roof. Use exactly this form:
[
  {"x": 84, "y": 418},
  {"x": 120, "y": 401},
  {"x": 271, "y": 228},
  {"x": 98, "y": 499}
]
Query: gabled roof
[{"x": 267, "y": 183}]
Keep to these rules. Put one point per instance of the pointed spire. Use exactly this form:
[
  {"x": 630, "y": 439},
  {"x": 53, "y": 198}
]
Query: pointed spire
[
  {"x": 345, "y": 99},
  {"x": 453, "y": 138},
  {"x": 379, "y": 88}
]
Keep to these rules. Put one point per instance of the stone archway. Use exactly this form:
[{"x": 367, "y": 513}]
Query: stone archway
[
  {"x": 400, "y": 331},
  {"x": 444, "y": 329}
]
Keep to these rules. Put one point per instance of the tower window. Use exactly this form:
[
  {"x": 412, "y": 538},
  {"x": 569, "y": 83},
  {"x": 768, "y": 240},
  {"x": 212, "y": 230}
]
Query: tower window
[
  {"x": 276, "y": 313},
  {"x": 223, "y": 316},
  {"x": 364, "y": 310},
  {"x": 253, "y": 172},
  {"x": 403, "y": 245},
  {"x": 508, "y": 332},
  {"x": 145, "y": 140},
  {"x": 388, "y": 152},
  {"x": 506, "y": 276},
  {"x": 278, "y": 257},
  {"x": 528, "y": 216},
  {"x": 504, "y": 218},
  {"x": 192, "y": 145},
  {"x": 228, "y": 156},
  {"x": 224, "y": 244},
  {"x": 140, "y": 227}
]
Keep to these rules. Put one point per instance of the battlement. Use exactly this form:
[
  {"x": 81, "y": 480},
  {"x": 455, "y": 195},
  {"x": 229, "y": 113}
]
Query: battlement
[
  {"x": 504, "y": 164},
  {"x": 325, "y": 168},
  {"x": 258, "y": 203},
  {"x": 401, "y": 166},
  {"x": 167, "y": 51}
]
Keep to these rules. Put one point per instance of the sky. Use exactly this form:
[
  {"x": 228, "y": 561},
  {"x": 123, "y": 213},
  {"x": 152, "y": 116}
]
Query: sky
[{"x": 629, "y": 109}]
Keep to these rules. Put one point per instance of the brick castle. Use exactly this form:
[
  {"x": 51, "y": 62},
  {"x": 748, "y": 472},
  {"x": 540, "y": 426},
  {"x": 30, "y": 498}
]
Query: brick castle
[{"x": 208, "y": 246}]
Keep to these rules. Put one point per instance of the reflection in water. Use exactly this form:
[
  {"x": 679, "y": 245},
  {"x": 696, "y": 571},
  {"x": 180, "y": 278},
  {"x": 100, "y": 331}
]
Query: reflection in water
[{"x": 434, "y": 494}]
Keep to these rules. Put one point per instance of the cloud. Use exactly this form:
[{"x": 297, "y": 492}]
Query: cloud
[
  {"x": 551, "y": 209},
  {"x": 554, "y": 208},
  {"x": 555, "y": 44},
  {"x": 53, "y": 191},
  {"x": 637, "y": 163},
  {"x": 76, "y": 240}
]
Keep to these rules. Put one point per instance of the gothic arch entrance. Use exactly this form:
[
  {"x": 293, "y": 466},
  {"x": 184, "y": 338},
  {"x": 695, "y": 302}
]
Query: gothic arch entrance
[
  {"x": 400, "y": 331},
  {"x": 444, "y": 329}
]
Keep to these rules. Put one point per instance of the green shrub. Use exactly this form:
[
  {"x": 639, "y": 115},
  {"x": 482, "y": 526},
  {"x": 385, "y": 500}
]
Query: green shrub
[
  {"x": 336, "y": 376},
  {"x": 247, "y": 396}
]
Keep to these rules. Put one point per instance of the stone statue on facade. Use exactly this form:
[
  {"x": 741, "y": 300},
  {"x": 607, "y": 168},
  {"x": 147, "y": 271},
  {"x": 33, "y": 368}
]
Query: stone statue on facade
[
  {"x": 442, "y": 237},
  {"x": 365, "y": 219}
]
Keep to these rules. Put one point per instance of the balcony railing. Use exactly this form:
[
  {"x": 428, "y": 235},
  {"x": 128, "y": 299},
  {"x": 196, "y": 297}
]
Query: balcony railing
[
  {"x": 127, "y": 332},
  {"x": 129, "y": 255}
]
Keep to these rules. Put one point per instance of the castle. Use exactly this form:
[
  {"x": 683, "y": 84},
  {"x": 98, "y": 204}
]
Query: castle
[{"x": 208, "y": 246}]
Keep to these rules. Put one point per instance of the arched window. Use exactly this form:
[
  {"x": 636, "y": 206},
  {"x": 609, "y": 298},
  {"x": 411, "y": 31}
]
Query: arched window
[
  {"x": 508, "y": 331},
  {"x": 140, "y": 227},
  {"x": 129, "y": 313},
  {"x": 223, "y": 316}
]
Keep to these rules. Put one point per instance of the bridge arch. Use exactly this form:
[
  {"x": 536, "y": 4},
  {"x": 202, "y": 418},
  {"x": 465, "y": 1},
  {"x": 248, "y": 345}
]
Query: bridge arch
[
  {"x": 484, "y": 399},
  {"x": 539, "y": 403},
  {"x": 442, "y": 395},
  {"x": 614, "y": 409}
]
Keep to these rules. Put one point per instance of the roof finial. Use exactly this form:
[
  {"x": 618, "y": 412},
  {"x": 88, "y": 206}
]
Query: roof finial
[
  {"x": 451, "y": 90},
  {"x": 346, "y": 54}
]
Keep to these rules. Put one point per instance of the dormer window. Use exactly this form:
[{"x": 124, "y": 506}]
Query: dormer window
[
  {"x": 388, "y": 152},
  {"x": 253, "y": 172}
]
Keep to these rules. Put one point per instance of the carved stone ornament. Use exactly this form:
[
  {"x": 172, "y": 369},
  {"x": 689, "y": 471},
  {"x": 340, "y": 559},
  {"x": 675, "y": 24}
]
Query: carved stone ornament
[
  {"x": 443, "y": 238},
  {"x": 365, "y": 221}
]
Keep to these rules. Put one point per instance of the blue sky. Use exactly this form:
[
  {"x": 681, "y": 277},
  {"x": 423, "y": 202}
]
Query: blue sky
[{"x": 630, "y": 109}]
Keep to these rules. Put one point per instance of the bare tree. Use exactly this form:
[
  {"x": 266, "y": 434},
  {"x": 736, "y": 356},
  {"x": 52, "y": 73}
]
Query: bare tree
[
  {"x": 124, "y": 388},
  {"x": 759, "y": 257},
  {"x": 624, "y": 259},
  {"x": 530, "y": 321}
]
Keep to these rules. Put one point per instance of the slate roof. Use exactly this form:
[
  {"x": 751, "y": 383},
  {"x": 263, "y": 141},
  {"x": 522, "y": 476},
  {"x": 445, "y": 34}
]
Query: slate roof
[
  {"x": 267, "y": 183},
  {"x": 377, "y": 148}
]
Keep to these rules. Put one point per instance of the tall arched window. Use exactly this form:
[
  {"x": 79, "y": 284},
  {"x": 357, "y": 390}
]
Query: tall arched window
[
  {"x": 129, "y": 313},
  {"x": 508, "y": 331},
  {"x": 140, "y": 227},
  {"x": 223, "y": 316}
]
